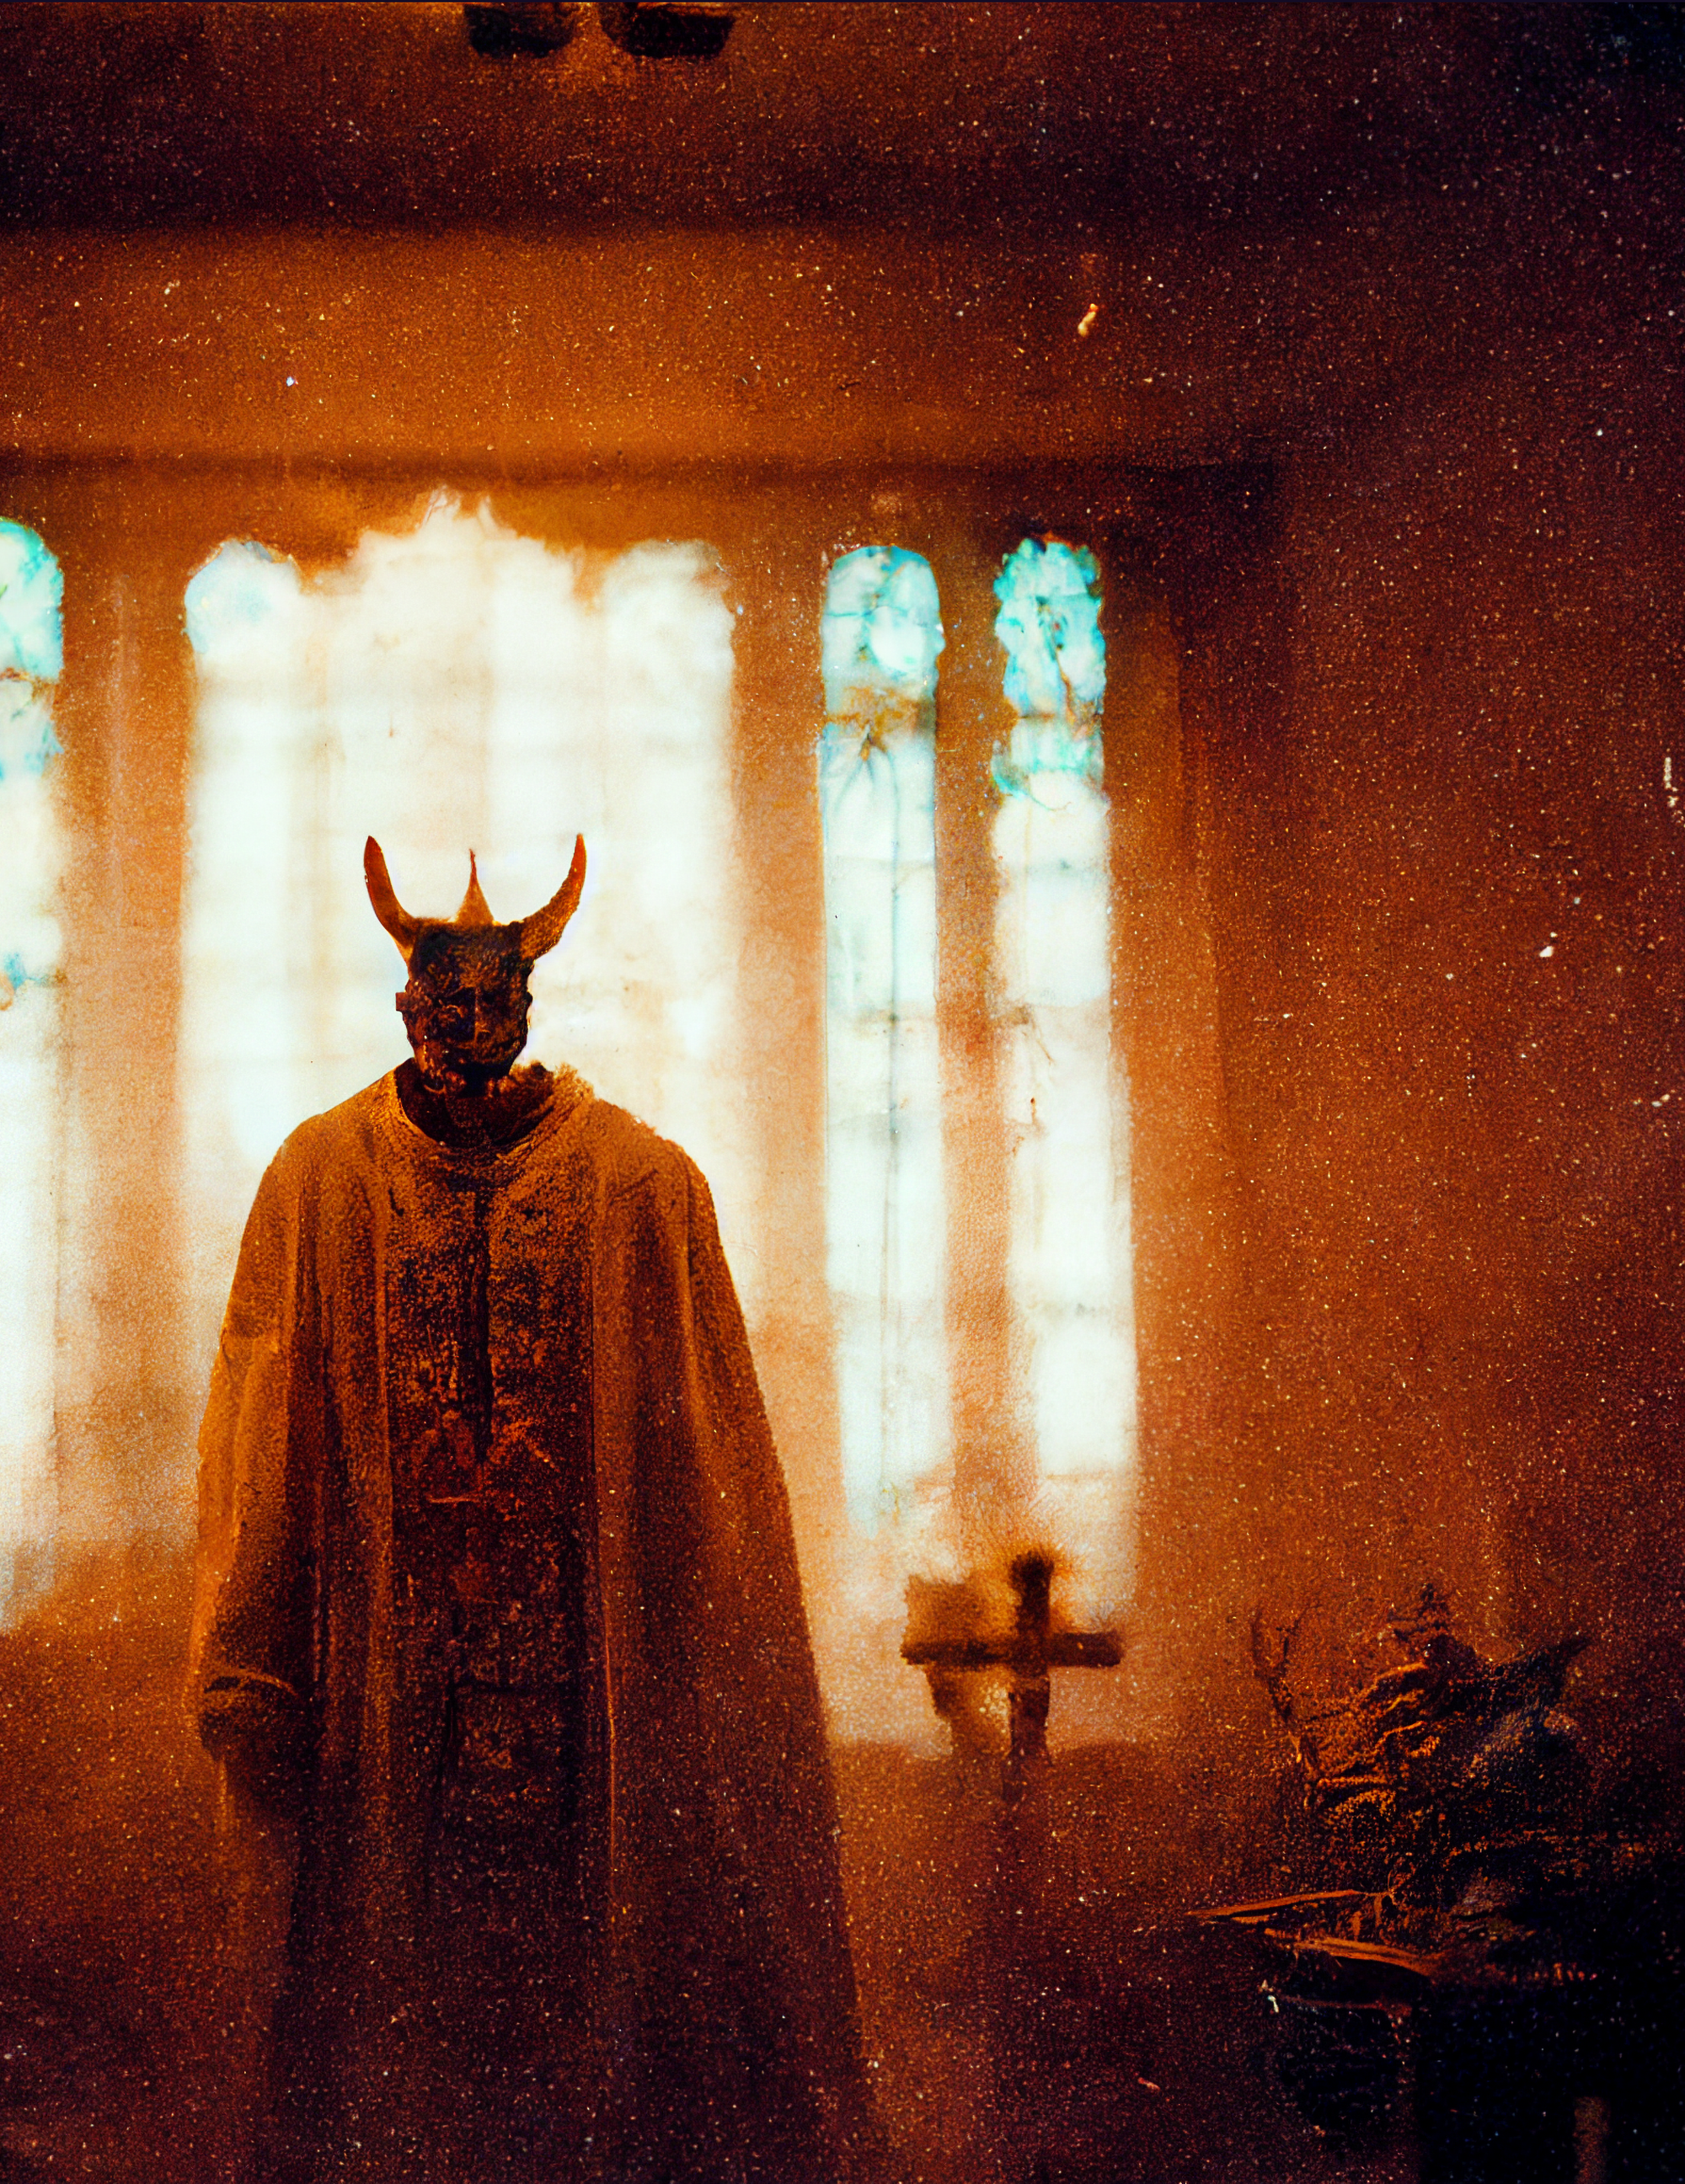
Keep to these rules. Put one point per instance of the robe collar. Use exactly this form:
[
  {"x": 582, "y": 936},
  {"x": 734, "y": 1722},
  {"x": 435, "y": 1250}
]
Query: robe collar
[{"x": 571, "y": 1095}]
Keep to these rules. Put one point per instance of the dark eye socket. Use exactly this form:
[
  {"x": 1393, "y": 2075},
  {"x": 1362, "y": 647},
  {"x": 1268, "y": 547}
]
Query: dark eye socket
[
  {"x": 462, "y": 1001},
  {"x": 458, "y": 1003}
]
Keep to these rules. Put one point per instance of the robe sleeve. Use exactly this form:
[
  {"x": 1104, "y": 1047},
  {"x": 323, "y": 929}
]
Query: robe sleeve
[{"x": 252, "y": 1678}]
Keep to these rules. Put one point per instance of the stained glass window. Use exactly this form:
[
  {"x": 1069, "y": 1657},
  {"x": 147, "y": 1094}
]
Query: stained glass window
[
  {"x": 881, "y": 634},
  {"x": 31, "y": 657},
  {"x": 456, "y": 687},
  {"x": 1069, "y": 1269}
]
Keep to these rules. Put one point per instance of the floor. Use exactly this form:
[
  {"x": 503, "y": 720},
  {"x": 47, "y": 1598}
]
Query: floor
[{"x": 1039, "y": 2005}]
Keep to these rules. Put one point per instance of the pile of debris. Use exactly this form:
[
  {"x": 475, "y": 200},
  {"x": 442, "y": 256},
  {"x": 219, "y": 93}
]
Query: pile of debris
[
  {"x": 1455, "y": 1804},
  {"x": 1453, "y": 1790}
]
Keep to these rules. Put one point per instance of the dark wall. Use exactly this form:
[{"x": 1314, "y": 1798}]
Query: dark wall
[{"x": 1433, "y": 688}]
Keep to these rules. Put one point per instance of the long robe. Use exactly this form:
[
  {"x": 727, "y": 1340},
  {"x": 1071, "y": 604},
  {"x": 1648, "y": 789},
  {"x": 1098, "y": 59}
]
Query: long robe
[{"x": 495, "y": 1546}]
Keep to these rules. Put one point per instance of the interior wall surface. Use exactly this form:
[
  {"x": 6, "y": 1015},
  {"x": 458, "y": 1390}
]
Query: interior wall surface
[{"x": 1443, "y": 844}]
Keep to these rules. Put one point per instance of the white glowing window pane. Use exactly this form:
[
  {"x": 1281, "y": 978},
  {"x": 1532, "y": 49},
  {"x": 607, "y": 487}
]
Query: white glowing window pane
[
  {"x": 878, "y": 803},
  {"x": 458, "y": 686},
  {"x": 880, "y": 637},
  {"x": 1069, "y": 1274},
  {"x": 31, "y": 601},
  {"x": 882, "y": 631},
  {"x": 31, "y": 1033}
]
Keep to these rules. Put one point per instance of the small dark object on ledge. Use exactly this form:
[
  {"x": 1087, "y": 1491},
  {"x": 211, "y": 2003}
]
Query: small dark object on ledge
[
  {"x": 519, "y": 30},
  {"x": 653, "y": 30}
]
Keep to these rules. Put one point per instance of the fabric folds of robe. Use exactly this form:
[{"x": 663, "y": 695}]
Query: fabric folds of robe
[{"x": 714, "y": 2034}]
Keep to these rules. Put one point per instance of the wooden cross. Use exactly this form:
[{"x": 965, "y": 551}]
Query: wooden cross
[{"x": 1028, "y": 1653}]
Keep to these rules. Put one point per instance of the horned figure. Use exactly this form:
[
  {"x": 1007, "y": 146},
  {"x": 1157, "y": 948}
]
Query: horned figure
[
  {"x": 499, "y": 1609},
  {"x": 467, "y": 999}
]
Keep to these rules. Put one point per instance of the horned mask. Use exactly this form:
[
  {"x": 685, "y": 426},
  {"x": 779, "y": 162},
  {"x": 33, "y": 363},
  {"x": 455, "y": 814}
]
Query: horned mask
[{"x": 465, "y": 1005}]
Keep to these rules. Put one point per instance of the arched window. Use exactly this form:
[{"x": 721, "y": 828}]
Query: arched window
[
  {"x": 458, "y": 686},
  {"x": 885, "y": 1223},
  {"x": 1069, "y": 1269},
  {"x": 31, "y": 657}
]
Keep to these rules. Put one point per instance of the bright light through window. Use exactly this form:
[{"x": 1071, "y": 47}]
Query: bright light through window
[
  {"x": 31, "y": 661},
  {"x": 886, "y": 1241},
  {"x": 1068, "y": 1272},
  {"x": 456, "y": 687}
]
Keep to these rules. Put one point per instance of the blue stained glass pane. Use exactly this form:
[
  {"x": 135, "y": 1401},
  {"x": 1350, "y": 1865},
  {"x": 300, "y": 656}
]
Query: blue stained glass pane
[
  {"x": 28, "y": 741},
  {"x": 882, "y": 628},
  {"x": 16, "y": 973},
  {"x": 32, "y": 604},
  {"x": 31, "y": 657},
  {"x": 1049, "y": 624}
]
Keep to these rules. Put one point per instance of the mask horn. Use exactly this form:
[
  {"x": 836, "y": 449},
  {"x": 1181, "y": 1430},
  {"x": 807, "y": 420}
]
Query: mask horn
[
  {"x": 541, "y": 931},
  {"x": 387, "y": 909},
  {"x": 476, "y": 910}
]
